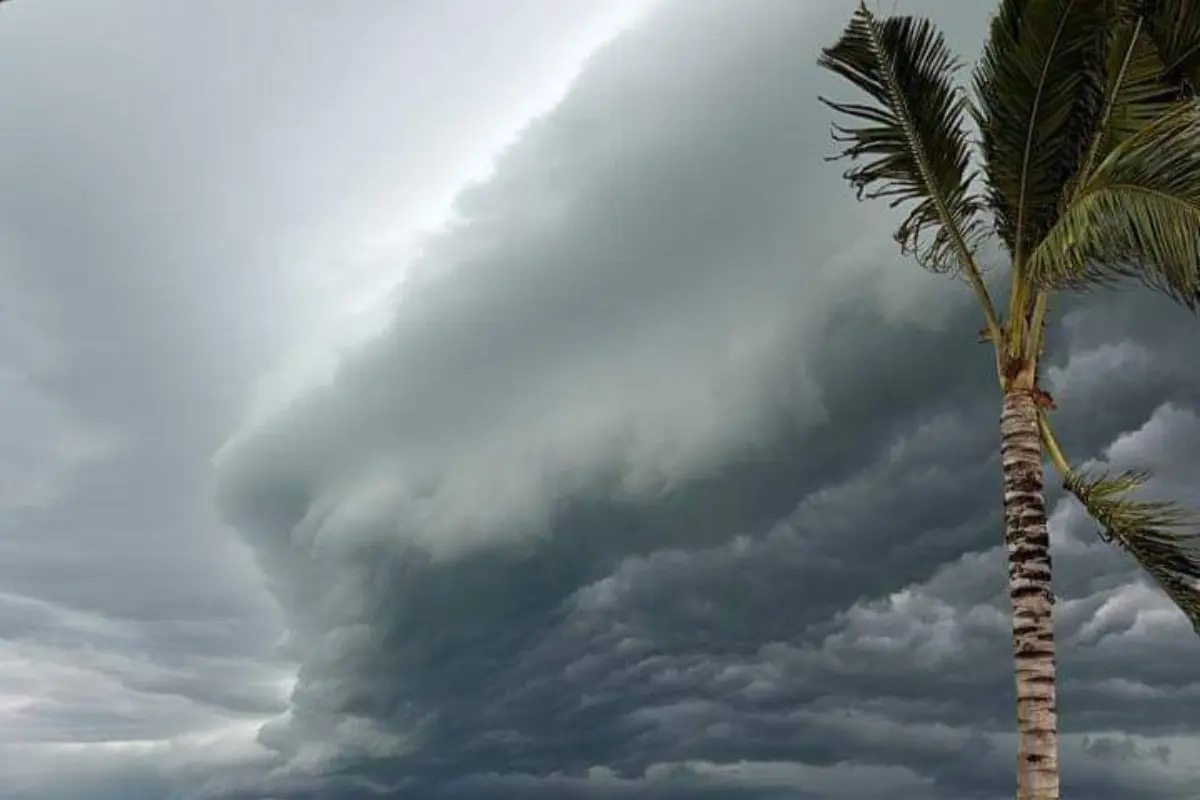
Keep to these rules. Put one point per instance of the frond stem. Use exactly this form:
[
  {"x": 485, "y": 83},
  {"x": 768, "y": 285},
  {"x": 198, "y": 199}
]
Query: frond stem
[
  {"x": 975, "y": 278},
  {"x": 1054, "y": 450},
  {"x": 1179, "y": 62},
  {"x": 1019, "y": 244},
  {"x": 966, "y": 260},
  {"x": 1133, "y": 188},
  {"x": 1037, "y": 323},
  {"x": 1110, "y": 103},
  {"x": 1018, "y": 302}
]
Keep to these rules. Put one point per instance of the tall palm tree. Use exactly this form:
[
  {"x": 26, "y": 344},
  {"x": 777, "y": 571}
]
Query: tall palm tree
[{"x": 1084, "y": 166}]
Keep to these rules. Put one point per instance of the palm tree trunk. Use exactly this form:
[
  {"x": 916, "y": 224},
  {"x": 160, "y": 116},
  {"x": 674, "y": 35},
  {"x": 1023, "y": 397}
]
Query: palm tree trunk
[{"x": 1029, "y": 586}]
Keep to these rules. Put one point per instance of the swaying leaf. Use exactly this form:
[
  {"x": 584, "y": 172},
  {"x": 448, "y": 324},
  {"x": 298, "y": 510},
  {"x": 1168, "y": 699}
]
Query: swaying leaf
[
  {"x": 910, "y": 140},
  {"x": 1138, "y": 215},
  {"x": 1155, "y": 533},
  {"x": 1039, "y": 92}
]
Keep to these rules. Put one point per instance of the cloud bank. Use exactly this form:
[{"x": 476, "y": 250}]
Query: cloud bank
[{"x": 670, "y": 478}]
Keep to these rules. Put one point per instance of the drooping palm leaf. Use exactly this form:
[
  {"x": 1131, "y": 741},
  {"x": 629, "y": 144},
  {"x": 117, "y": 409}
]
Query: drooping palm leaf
[
  {"x": 1158, "y": 534},
  {"x": 1174, "y": 26},
  {"x": 910, "y": 142},
  {"x": 1039, "y": 92},
  {"x": 1137, "y": 216}
]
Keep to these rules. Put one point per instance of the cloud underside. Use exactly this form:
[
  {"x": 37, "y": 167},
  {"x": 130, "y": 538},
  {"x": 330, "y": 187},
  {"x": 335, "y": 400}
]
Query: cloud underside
[{"x": 672, "y": 479}]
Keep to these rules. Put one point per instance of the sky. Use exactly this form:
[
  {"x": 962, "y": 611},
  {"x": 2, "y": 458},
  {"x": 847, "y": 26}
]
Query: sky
[{"x": 453, "y": 399}]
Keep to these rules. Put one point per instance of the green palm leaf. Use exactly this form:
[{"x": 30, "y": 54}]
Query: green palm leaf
[
  {"x": 1136, "y": 92},
  {"x": 1174, "y": 26},
  {"x": 1137, "y": 216},
  {"x": 910, "y": 141},
  {"x": 1156, "y": 533},
  {"x": 1039, "y": 90}
]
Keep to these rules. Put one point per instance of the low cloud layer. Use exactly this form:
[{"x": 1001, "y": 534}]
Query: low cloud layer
[{"x": 672, "y": 479}]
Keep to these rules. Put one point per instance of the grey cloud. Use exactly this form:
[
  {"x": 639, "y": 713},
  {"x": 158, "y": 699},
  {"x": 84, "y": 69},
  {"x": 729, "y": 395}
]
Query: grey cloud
[
  {"x": 669, "y": 478},
  {"x": 704, "y": 779},
  {"x": 661, "y": 481},
  {"x": 166, "y": 229}
]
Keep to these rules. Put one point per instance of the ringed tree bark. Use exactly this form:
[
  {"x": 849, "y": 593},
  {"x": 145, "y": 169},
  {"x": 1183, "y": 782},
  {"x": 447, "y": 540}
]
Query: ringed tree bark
[{"x": 1027, "y": 539}]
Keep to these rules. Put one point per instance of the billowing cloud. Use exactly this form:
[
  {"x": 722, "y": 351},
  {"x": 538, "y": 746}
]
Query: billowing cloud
[
  {"x": 663, "y": 476},
  {"x": 189, "y": 192},
  {"x": 671, "y": 478}
]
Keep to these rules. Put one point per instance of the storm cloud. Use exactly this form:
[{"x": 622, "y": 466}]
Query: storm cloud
[
  {"x": 670, "y": 478},
  {"x": 167, "y": 239},
  {"x": 659, "y": 473}
]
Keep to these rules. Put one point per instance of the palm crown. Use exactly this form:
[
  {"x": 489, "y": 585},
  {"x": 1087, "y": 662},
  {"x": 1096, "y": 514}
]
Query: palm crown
[{"x": 1085, "y": 169}]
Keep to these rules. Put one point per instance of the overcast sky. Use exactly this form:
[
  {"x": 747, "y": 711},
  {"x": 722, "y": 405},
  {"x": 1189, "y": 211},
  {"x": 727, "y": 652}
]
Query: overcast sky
[{"x": 503, "y": 399}]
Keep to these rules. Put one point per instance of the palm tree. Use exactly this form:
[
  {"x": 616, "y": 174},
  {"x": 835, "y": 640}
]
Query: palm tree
[{"x": 1085, "y": 170}]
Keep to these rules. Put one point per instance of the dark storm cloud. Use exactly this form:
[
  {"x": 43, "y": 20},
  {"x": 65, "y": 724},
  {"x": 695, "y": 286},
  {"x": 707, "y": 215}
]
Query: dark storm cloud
[
  {"x": 671, "y": 479},
  {"x": 158, "y": 165},
  {"x": 188, "y": 190}
]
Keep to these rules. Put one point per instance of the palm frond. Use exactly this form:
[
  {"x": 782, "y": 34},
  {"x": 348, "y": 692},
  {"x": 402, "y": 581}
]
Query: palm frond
[
  {"x": 1135, "y": 90},
  {"x": 1158, "y": 534},
  {"x": 910, "y": 141},
  {"x": 1039, "y": 91},
  {"x": 1174, "y": 27},
  {"x": 1137, "y": 216}
]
